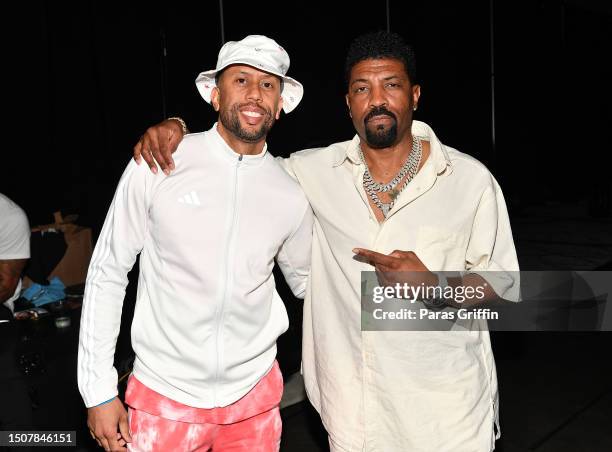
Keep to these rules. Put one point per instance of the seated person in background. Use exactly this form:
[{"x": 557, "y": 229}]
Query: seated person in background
[
  {"x": 15, "y": 405},
  {"x": 14, "y": 253}
]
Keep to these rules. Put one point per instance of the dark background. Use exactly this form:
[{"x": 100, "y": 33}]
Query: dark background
[
  {"x": 88, "y": 77},
  {"x": 85, "y": 79}
]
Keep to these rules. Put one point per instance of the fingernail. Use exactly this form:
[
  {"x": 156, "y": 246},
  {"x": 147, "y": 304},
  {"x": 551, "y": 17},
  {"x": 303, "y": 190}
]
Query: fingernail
[
  {"x": 154, "y": 169},
  {"x": 355, "y": 250},
  {"x": 167, "y": 172}
]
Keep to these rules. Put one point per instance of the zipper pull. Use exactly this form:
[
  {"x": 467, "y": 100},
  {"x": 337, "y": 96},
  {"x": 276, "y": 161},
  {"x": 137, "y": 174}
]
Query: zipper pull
[{"x": 240, "y": 158}]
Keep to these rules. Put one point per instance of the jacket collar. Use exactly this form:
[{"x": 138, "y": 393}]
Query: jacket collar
[{"x": 229, "y": 153}]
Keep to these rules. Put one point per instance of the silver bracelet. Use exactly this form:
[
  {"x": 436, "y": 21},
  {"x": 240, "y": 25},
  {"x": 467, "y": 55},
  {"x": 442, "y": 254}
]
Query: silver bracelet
[{"x": 182, "y": 123}]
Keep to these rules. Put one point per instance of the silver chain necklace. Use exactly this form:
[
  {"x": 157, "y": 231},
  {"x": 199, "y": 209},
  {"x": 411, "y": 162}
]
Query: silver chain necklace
[{"x": 407, "y": 171}]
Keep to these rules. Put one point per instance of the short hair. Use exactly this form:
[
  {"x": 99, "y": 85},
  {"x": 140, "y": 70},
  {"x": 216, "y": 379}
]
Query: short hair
[
  {"x": 218, "y": 76},
  {"x": 378, "y": 45}
]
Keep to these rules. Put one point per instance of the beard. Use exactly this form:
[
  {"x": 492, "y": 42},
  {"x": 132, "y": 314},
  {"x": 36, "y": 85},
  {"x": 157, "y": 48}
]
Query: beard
[
  {"x": 231, "y": 121},
  {"x": 379, "y": 137}
]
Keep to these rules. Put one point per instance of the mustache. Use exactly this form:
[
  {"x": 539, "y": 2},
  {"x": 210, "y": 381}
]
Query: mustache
[{"x": 378, "y": 111}]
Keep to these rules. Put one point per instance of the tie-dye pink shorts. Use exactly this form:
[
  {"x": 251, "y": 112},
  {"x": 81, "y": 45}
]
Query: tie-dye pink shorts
[{"x": 252, "y": 424}]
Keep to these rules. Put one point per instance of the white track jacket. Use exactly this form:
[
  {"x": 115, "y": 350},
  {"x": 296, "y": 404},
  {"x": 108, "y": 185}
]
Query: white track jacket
[{"x": 207, "y": 313}]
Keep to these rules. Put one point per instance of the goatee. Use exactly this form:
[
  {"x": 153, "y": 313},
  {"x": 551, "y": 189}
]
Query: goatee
[
  {"x": 231, "y": 122},
  {"x": 380, "y": 137}
]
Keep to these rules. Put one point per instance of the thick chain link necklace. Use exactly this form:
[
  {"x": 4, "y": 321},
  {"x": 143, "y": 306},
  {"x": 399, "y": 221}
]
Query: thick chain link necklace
[{"x": 407, "y": 171}]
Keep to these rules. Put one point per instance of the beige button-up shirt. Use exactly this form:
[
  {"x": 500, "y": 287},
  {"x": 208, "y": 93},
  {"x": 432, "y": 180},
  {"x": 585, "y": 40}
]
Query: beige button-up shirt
[{"x": 401, "y": 390}]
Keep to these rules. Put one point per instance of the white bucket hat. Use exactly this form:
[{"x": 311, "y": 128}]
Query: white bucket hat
[{"x": 259, "y": 52}]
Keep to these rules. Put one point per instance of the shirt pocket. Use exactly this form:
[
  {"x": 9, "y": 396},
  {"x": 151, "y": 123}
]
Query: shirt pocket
[{"x": 441, "y": 249}]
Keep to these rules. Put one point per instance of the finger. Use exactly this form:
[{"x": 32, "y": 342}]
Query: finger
[
  {"x": 152, "y": 139},
  {"x": 124, "y": 428},
  {"x": 93, "y": 435},
  {"x": 400, "y": 253},
  {"x": 150, "y": 159},
  {"x": 147, "y": 156},
  {"x": 119, "y": 445},
  {"x": 104, "y": 443},
  {"x": 122, "y": 442},
  {"x": 156, "y": 144},
  {"x": 166, "y": 149},
  {"x": 173, "y": 141},
  {"x": 151, "y": 146},
  {"x": 113, "y": 443},
  {"x": 138, "y": 151},
  {"x": 375, "y": 257}
]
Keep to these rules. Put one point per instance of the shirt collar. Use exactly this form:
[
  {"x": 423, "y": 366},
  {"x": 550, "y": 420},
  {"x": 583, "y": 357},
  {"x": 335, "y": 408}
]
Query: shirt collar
[
  {"x": 438, "y": 152},
  {"x": 233, "y": 155}
]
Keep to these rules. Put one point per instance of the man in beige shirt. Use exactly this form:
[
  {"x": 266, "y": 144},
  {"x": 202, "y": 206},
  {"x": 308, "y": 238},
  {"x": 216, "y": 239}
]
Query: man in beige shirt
[{"x": 393, "y": 198}]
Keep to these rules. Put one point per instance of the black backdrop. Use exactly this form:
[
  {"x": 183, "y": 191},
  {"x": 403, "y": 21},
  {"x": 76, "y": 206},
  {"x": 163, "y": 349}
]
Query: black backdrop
[{"x": 86, "y": 78}]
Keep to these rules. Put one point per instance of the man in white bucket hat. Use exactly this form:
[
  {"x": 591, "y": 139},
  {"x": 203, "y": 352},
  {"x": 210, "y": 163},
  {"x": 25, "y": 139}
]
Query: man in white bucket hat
[{"x": 207, "y": 313}]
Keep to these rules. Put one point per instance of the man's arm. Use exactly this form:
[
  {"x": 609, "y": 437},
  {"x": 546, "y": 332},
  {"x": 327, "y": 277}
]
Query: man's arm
[
  {"x": 120, "y": 241},
  {"x": 294, "y": 256},
  {"x": 158, "y": 143},
  {"x": 10, "y": 273},
  {"x": 405, "y": 267},
  {"x": 491, "y": 262},
  {"x": 491, "y": 252}
]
